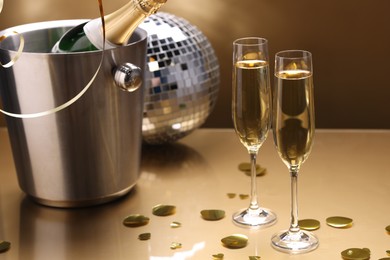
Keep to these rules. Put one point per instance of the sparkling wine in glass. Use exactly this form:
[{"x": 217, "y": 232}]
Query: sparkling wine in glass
[
  {"x": 293, "y": 130},
  {"x": 251, "y": 116}
]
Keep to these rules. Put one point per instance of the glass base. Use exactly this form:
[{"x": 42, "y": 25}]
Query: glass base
[
  {"x": 294, "y": 243},
  {"x": 254, "y": 218}
]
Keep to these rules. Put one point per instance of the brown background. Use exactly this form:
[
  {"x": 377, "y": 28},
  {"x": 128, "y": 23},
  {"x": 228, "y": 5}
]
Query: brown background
[{"x": 349, "y": 39}]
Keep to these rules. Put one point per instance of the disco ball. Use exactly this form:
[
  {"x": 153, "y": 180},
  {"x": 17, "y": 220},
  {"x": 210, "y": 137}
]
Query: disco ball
[{"x": 181, "y": 79}]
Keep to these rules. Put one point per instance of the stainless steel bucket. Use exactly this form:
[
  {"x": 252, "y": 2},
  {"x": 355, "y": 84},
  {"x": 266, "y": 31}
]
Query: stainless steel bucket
[{"x": 88, "y": 153}]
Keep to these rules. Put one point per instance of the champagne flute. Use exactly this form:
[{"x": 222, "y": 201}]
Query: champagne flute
[
  {"x": 293, "y": 129},
  {"x": 251, "y": 116}
]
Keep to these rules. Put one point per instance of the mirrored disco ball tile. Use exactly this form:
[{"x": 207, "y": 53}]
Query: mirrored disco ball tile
[{"x": 182, "y": 81}]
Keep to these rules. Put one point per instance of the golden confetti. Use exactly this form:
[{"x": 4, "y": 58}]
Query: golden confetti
[
  {"x": 246, "y": 168},
  {"x": 218, "y": 257},
  {"x": 212, "y": 214},
  {"x": 254, "y": 257},
  {"x": 4, "y": 246},
  {"x": 144, "y": 236},
  {"x": 231, "y": 195},
  {"x": 235, "y": 241},
  {"x": 243, "y": 196},
  {"x": 388, "y": 252},
  {"x": 260, "y": 172},
  {"x": 135, "y": 220},
  {"x": 163, "y": 210},
  {"x": 356, "y": 254},
  {"x": 309, "y": 224},
  {"x": 175, "y": 224},
  {"x": 175, "y": 245},
  {"x": 339, "y": 222},
  {"x": 388, "y": 229}
]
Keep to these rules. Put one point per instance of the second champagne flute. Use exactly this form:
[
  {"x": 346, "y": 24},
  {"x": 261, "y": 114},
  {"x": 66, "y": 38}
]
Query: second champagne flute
[
  {"x": 293, "y": 128},
  {"x": 251, "y": 115}
]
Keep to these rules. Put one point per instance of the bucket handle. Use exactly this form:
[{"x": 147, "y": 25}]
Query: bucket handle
[
  {"x": 127, "y": 77},
  {"x": 74, "y": 99},
  {"x": 20, "y": 49},
  {"x": 61, "y": 107}
]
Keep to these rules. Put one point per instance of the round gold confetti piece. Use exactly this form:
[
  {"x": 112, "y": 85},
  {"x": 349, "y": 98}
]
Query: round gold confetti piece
[
  {"x": 4, "y": 246},
  {"x": 259, "y": 172},
  {"x": 135, "y": 220},
  {"x": 235, "y": 241},
  {"x": 356, "y": 254},
  {"x": 254, "y": 258},
  {"x": 243, "y": 196},
  {"x": 231, "y": 195},
  {"x": 144, "y": 236},
  {"x": 388, "y": 252},
  {"x": 309, "y": 224},
  {"x": 218, "y": 257},
  {"x": 175, "y": 245},
  {"x": 175, "y": 224},
  {"x": 388, "y": 229},
  {"x": 212, "y": 214},
  {"x": 164, "y": 210},
  {"x": 246, "y": 168},
  {"x": 339, "y": 222}
]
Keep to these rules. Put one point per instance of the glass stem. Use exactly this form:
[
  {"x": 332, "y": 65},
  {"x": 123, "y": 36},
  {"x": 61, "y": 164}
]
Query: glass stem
[
  {"x": 294, "y": 227},
  {"x": 254, "y": 206}
]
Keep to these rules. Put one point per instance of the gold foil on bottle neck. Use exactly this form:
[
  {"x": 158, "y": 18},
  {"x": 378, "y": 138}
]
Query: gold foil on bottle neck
[
  {"x": 151, "y": 6},
  {"x": 121, "y": 24}
]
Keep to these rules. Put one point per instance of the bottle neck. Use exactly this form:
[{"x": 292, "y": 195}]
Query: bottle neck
[
  {"x": 121, "y": 24},
  {"x": 150, "y": 6}
]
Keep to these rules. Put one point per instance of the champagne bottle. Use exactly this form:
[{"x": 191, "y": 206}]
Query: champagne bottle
[{"x": 119, "y": 26}]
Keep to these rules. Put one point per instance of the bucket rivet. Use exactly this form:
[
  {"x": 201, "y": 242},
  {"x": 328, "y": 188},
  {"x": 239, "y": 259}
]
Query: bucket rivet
[{"x": 128, "y": 77}]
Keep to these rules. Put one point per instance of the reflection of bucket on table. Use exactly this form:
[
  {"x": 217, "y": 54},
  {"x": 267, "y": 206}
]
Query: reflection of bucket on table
[
  {"x": 52, "y": 233},
  {"x": 88, "y": 153}
]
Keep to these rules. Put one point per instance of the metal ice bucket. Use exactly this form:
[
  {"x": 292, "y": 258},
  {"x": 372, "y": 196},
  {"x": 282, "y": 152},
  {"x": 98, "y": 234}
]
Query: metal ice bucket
[{"x": 88, "y": 153}]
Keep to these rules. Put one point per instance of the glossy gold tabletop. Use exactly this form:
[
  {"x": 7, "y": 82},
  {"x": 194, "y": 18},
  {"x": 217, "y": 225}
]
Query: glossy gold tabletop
[{"x": 347, "y": 174}]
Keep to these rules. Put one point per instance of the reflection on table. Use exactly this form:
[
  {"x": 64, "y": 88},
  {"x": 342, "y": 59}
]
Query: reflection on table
[{"x": 346, "y": 175}]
